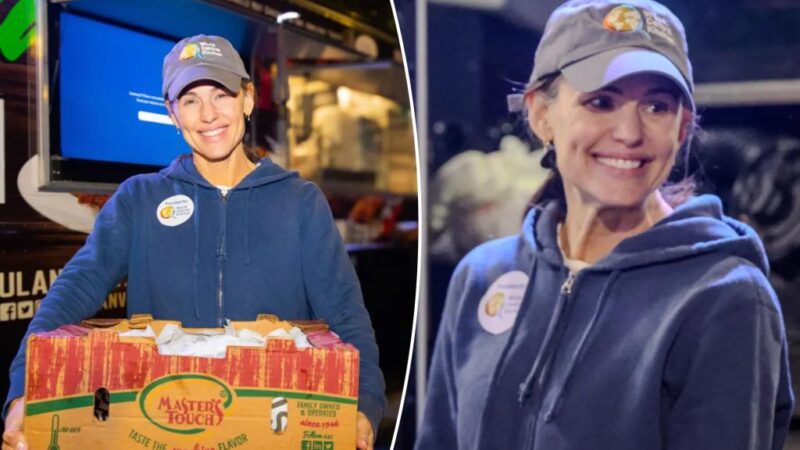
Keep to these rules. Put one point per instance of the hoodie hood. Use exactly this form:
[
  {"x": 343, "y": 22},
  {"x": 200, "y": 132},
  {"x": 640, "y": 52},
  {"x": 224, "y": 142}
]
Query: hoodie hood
[
  {"x": 694, "y": 228},
  {"x": 182, "y": 168}
]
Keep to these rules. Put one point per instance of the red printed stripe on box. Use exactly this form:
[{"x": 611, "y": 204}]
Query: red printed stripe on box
[{"x": 71, "y": 365}]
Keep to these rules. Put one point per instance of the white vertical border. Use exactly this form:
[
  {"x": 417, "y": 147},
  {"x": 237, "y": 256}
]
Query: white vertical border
[
  {"x": 2, "y": 152},
  {"x": 419, "y": 117}
]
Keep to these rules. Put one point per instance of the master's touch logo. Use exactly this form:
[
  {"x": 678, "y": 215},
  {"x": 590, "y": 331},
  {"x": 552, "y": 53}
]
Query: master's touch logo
[
  {"x": 186, "y": 404},
  {"x": 623, "y": 18}
]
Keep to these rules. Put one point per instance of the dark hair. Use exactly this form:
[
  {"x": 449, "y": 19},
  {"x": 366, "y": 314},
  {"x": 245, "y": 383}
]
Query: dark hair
[{"x": 674, "y": 193}]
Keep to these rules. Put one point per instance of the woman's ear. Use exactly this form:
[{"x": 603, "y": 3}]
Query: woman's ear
[
  {"x": 249, "y": 98},
  {"x": 687, "y": 125},
  {"x": 172, "y": 115},
  {"x": 537, "y": 109}
]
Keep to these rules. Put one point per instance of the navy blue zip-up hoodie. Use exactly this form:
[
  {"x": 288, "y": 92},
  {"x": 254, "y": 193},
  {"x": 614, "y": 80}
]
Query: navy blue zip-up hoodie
[
  {"x": 268, "y": 246},
  {"x": 674, "y": 340}
]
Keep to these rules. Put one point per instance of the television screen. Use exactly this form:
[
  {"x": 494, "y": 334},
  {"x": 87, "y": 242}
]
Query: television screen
[{"x": 110, "y": 102}]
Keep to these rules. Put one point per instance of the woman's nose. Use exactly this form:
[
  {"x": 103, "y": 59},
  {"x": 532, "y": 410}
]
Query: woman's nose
[
  {"x": 629, "y": 128},
  {"x": 208, "y": 112}
]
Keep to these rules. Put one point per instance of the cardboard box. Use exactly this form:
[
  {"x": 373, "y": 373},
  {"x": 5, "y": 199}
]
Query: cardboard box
[{"x": 88, "y": 388}]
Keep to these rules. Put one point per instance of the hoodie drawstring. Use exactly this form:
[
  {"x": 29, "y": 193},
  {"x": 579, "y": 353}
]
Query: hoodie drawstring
[
  {"x": 247, "y": 227},
  {"x": 551, "y": 412},
  {"x": 195, "y": 269}
]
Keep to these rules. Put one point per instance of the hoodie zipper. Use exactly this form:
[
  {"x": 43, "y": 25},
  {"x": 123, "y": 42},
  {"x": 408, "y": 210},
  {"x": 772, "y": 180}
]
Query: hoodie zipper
[
  {"x": 566, "y": 292},
  {"x": 221, "y": 262},
  {"x": 566, "y": 288}
]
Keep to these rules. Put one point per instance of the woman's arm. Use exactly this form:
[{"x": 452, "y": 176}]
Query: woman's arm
[
  {"x": 334, "y": 293},
  {"x": 438, "y": 428},
  {"x": 83, "y": 285},
  {"x": 727, "y": 377}
]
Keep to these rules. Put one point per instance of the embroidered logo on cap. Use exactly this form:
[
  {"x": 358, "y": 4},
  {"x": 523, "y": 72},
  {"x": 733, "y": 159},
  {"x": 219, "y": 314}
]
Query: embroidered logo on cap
[
  {"x": 624, "y": 18},
  {"x": 659, "y": 26},
  {"x": 500, "y": 305},
  {"x": 175, "y": 210},
  {"x": 190, "y": 51},
  {"x": 199, "y": 50}
]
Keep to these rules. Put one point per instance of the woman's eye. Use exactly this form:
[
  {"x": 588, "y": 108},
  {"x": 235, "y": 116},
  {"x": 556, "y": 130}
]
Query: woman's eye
[
  {"x": 188, "y": 102},
  {"x": 222, "y": 94},
  {"x": 600, "y": 103},
  {"x": 659, "y": 106}
]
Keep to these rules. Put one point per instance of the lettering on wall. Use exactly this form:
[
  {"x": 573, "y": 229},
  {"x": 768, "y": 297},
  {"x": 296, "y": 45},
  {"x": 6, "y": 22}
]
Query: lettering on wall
[{"x": 22, "y": 291}]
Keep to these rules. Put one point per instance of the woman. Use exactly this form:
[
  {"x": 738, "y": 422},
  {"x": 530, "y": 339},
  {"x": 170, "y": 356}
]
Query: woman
[
  {"x": 215, "y": 235},
  {"x": 625, "y": 315}
]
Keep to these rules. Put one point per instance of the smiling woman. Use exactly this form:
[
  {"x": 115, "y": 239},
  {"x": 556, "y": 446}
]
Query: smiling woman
[
  {"x": 632, "y": 318},
  {"x": 216, "y": 235},
  {"x": 209, "y": 95}
]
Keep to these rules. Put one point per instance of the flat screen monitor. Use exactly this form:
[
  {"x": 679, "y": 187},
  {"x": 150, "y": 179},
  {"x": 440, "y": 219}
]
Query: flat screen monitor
[
  {"x": 110, "y": 103},
  {"x": 106, "y": 119}
]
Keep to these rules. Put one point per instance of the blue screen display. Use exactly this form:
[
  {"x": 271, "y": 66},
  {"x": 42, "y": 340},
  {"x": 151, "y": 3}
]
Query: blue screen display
[{"x": 111, "y": 105}]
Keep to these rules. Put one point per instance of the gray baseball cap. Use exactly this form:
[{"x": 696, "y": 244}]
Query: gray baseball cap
[
  {"x": 595, "y": 42},
  {"x": 202, "y": 57}
]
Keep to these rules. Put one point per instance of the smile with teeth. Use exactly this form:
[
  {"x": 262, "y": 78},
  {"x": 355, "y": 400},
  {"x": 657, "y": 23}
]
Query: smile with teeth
[
  {"x": 214, "y": 132},
  {"x": 620, "y": 163}
]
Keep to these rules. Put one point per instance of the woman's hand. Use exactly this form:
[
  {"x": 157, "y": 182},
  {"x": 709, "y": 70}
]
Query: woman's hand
[
  {"x": 364, "y": 434},
  {"x": 13, "y": 439}
]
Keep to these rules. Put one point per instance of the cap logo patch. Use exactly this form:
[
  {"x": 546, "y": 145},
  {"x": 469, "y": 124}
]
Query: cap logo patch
[
  {"x": 190, "y": 51},
  {"x": 199, "y": 50},
  {"x": 623, "y": 18},
  {"x": 659, "y": 26}
]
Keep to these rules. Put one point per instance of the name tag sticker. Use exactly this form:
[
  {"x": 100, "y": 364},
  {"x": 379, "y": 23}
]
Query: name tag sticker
[
  {"x": 175, "y": 210},
  {"x": 499, "y": 306}
]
